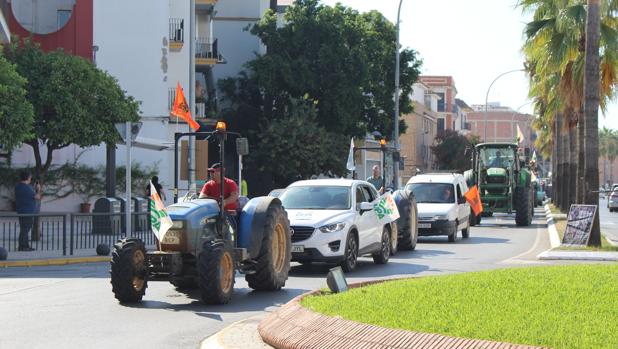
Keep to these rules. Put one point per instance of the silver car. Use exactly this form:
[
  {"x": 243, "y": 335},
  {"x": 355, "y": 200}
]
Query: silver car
[{"x": 612, "y": 201}]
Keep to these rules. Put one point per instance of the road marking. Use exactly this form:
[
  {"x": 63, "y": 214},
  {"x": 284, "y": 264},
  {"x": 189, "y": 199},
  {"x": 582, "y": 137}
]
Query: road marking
[{"x": 534, "y": 247}]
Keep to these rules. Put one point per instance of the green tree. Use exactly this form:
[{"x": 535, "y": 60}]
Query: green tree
[
  {"x": 16, "y": 115},
  {"x": 74, "y": 102},
  {"x": 327, "y": 69},
  {"x": 453, "y": 150}
]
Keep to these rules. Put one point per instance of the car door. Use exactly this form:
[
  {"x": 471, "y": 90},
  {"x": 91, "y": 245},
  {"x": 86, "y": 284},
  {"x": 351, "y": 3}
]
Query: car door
[
  {"x": 463, "y": 209},
  {"x": 363, "y": 219},
  {"x": 375, "y": 228}
]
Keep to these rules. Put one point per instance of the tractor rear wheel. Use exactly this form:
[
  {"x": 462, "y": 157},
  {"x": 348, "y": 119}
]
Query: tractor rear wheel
[
  {"x": 273, "y": 262},
  {"x": 216, "y": 272},
  {"x": 129, "y": 271},
  {"x": 523, "y": 215},
  {"x": 407, "y": 224}
]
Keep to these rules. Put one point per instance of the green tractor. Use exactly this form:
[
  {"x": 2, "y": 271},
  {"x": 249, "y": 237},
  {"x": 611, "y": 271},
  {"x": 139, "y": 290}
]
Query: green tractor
[{"x": 503, "y": 180}]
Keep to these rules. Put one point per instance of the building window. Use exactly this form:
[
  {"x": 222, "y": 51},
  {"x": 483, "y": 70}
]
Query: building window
[
  {"x": 63, "y": 18},
  {"x": 441, "y": 102},
  {"x": 440, "y": 124}
]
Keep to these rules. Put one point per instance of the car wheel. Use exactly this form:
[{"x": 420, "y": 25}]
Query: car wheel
[
  {"x": 465, "y": 233},
  {"x": 382, "y": 256},
  {"x": 351, "y": 253},
  {"x": 453, "y": 236}
]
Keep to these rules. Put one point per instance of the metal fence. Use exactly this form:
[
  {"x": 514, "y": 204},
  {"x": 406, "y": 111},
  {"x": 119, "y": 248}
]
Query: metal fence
[{"x": 68, "y": 232}]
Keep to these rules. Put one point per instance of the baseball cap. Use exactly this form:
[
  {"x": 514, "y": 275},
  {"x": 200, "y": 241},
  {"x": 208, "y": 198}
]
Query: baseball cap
[{"x": 214, "y": 166}]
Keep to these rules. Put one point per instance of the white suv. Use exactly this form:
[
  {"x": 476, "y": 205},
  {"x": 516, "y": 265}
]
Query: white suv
[
  {"x": 332, "y": 220},
  {"x": 442, "y": 208}
]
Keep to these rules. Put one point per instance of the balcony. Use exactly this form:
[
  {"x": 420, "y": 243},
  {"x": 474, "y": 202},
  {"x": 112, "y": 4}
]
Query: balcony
[
  {"x": 207, "y": 53},
  {"x": 207, "y": 5},
  {"x": 176, "y": 33}
]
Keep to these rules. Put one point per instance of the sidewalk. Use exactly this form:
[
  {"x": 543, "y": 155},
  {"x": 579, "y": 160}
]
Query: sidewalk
[
  {"x": 54, "y": 257},
  {"x": 240, "y": 335}
]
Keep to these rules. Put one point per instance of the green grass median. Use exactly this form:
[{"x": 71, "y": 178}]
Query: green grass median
[{"x": 558, "y": 307}]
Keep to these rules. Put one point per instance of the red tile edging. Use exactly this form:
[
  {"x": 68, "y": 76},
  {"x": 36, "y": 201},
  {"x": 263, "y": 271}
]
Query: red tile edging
[{"x": 295, "y": 327}]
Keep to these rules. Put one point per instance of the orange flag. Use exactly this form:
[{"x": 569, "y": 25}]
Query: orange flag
[
  {"x": 181, "y": 108},
  {"x": 474, "y": 199}
]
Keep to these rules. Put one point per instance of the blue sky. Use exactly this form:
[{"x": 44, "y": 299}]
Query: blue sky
[{"x": 474, "y": 41}]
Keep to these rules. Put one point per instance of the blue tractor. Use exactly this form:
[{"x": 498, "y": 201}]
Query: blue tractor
[{"x": 207, "y": 245}]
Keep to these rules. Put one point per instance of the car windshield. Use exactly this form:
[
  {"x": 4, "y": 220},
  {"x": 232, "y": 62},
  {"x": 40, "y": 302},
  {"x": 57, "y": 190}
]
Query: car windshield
[
  {"x": 432, "y": 193},
  {"x": 496, "y": 157},
  {"x": 316, "y": 198}
]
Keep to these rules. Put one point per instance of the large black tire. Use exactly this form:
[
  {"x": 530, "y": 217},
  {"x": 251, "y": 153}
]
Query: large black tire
[
  {"x": 273, "y": 262},
  {"x": 472, "y": 219},
  {"x": 523, "y": 216},
  {"x": 382, "y": 256},
  {"x": 407, "y": 224},
  {"x": 478, "y": 219},
  {"x": 453, "y": 236},
  {"x": 129, "y": 272},
  {"x": 465, "y": 232},
  {"x": 350, "y": 259},
  {"x": 216, "y": 272}
]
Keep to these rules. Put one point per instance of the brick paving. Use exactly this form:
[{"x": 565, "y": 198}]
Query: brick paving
[{"x": 296, "y": 327}]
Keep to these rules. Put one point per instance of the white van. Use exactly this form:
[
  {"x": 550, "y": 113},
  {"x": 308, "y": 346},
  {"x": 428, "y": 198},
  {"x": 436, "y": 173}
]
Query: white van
[{"x": 442, "y": 208}]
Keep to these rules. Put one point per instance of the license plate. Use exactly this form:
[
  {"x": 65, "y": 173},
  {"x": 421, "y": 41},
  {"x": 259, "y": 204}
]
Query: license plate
[
  {"x": 424, "y": 225},
  {"x": 298, "y": 248}
]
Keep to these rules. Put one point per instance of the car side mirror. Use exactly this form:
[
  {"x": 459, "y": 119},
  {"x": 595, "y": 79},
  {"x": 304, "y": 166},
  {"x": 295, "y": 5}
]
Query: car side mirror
[
  {"x": 461, "y": 200},
  {"x": 364, "y": 207}
]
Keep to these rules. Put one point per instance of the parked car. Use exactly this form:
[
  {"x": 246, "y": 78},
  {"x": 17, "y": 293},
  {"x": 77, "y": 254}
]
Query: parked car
[
  {"x": 442, "y": 208},
  {"x": 332, "y": 220},
  {"x": 612, "y": 201}
]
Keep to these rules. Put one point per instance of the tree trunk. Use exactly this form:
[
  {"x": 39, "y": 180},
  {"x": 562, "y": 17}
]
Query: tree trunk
[
  {"x": 580, "y": 158},
  {"x": 554, "y": 163},
  {"x": 565, "y": 178},
  {"x": 573, "y": 160},
  {"x": 591, "y": 114},
  {"x": 557, "y": 188}
]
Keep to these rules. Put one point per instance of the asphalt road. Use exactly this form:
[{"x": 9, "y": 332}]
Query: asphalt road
[
  {"x": 73, "y": 306},
  {"x": 608, "y": 220}
]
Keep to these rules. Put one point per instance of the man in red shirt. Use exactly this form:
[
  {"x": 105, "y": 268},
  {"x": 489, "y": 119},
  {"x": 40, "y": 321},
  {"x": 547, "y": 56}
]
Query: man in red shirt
[{"x": 211, "y": 189}]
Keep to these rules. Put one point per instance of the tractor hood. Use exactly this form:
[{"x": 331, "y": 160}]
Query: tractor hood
[
  {"x": 187, "y": 211},
  {"x": 318, "y": 218},
  {"x": 496, "y": 171}
]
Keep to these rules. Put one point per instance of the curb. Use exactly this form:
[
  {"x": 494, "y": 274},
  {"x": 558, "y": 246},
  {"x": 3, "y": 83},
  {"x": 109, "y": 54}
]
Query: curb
[
  {"x": 53, "y": 261},
  {"x": 243, "y": 333},
  {"x": 554, "y": 238},
  {"x": 296, "y": 327},
  {"x": 579, "y": 255}
]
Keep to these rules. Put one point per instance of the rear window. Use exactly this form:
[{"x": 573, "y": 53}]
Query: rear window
[{"x": 433, "y": 193}]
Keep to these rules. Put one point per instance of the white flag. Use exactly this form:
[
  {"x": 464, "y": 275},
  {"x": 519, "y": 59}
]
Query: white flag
[
  {"x": 350, "y": 165},
  {"x": 159, "y": 219},
  {"x": 386, "y": 209}
]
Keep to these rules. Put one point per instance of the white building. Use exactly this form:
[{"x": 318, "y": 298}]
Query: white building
[{"x": 145, "y": 45}]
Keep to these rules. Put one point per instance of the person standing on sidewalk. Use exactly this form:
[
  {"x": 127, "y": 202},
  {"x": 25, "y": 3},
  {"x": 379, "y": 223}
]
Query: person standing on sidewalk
[{"x": 25, "y": 203}]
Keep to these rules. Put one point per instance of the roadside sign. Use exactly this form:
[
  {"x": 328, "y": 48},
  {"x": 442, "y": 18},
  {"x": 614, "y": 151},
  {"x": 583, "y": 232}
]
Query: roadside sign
[{"x": 579, "y": 225}]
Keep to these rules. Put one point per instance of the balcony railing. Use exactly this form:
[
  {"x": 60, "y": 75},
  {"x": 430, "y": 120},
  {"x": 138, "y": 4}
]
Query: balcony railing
[
  {"x": 171, "y": 96},
  {"x": 207, "y": 52},
  {"x": 177, "y": 31}
]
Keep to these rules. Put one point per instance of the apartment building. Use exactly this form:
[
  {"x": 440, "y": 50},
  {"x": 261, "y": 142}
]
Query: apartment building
[
  {"x": 144, "y": 44},
  {"x": 444, "y": 88},
  {"x": 500, "y": 123}
]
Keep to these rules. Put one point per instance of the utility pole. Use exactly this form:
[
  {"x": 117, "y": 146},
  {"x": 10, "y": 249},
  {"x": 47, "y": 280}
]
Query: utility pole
[
  {"x": 396, "y": 116},
  {"x": 192, "y": 38}
]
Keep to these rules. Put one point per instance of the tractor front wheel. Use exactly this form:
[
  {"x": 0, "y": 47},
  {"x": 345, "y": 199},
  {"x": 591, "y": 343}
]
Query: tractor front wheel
[
  {"x": 129, "y": 272},
  {"x": 273, "y": 262},
  {"x": 216, "y": 272}
]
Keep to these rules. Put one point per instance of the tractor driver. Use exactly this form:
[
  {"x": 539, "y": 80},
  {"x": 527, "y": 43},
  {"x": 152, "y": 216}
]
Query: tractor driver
[
  {"x": 230, "y": 189},
  {"x": 497, "y": 161}
]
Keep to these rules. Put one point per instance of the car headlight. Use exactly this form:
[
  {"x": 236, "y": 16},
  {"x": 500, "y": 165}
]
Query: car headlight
[
  {"x": 440, "y": 217},
  {"x": 331, "y": 228}
]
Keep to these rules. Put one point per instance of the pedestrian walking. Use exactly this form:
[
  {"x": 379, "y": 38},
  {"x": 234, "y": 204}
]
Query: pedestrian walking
[{"x": 26, "y": 203}]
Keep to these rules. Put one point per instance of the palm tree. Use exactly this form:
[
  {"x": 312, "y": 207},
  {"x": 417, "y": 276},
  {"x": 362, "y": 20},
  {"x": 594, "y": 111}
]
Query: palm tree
[{"x": 556, "y": 45}]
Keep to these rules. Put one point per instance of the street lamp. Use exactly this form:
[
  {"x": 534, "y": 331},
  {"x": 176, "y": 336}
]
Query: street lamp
[
  {"x": 517, "y": 112},
  {"x": 487, "y": 95},
  {"x": 396, "y": 117}
]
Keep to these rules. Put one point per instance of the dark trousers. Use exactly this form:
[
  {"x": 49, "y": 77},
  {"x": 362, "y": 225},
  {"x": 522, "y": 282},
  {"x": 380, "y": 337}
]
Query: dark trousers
[{"x": 25, "y": 224}]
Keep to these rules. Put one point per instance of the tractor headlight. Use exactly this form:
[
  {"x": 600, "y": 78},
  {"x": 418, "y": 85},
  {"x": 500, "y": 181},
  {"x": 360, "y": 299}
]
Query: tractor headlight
[
  {"x": 331, "y": 228},
  {"x": 172, "y": 237},
  {"x": 178, "y": 224}
]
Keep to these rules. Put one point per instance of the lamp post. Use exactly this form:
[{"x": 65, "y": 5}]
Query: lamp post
[
  {"x": 487, "y": 96},
  {"x": 513, "y": 117},
  {"x": 396, "y": 116}
]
